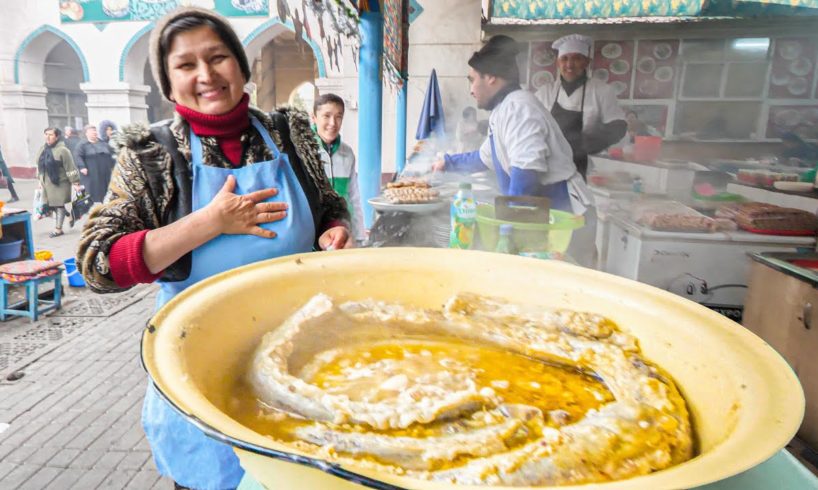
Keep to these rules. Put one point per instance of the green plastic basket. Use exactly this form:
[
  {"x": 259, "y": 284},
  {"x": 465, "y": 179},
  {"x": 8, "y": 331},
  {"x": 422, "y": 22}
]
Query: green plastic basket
[{"x": 540, "y": 237}]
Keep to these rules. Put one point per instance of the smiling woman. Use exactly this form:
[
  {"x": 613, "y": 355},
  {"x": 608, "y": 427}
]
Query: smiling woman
[{"x": 220, "y": 186}]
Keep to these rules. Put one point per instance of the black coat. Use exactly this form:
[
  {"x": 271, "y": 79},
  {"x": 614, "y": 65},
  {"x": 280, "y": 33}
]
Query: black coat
[
  {"x": 72, "y": 143},
  {"x": 98, "y": 160}
]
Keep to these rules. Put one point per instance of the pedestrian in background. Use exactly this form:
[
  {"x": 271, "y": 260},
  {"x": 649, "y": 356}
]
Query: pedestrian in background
[
  {"x": 72, "y": 140},
  {"x": 467, "y": 131},
  {"x": 9, "y": 180},
  {"x": 56, "y": 173},
  {"x": 107, "y": 129},
  {"x": 95, "y": 161}
]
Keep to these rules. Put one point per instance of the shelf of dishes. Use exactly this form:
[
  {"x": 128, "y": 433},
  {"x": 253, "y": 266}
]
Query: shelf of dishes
[
  {"x": 646, "y": 68},
  {"x": 651, "y": 73},
  {"x": 715, "y": 89}
]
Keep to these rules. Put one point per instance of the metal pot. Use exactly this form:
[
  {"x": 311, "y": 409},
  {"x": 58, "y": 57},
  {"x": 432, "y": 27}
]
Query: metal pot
[{"x": 745, "y": 400}]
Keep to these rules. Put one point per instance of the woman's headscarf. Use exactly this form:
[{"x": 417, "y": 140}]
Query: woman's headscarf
[
  {"x": 103, "y": 129},
  {"x": 180, "y": 20}
]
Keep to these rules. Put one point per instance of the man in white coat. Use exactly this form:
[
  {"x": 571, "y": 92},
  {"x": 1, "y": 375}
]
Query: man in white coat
[
  {"x": 525, "y": 146},
  {"x": 586, "y": 109}
]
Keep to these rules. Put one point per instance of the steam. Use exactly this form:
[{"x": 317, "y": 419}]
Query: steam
[{"x": 430, "y": 229}]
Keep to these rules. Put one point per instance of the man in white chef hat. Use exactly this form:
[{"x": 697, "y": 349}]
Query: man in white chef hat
[{"x": 585, "y": 108}]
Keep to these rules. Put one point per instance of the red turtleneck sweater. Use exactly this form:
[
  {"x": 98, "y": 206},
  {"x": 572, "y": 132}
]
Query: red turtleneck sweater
[
  {"x": 227, "y": 128},
  {"x": 125, "y": 257}
]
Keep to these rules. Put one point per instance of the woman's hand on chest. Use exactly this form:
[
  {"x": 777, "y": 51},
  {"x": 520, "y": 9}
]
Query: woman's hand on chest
[{"x": 234, "y": 214}]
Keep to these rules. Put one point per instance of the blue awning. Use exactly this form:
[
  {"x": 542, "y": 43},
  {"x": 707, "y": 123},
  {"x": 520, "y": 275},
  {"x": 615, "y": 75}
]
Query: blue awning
[
  {"x": 528, "y": 11},
  {"x": 759, "y": 8},
  {"x": 590, "y": 9}
]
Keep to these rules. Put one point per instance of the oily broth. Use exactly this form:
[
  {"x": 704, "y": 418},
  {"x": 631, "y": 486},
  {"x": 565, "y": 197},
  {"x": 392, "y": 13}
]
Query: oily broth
[{"x": 517, "y": 379}]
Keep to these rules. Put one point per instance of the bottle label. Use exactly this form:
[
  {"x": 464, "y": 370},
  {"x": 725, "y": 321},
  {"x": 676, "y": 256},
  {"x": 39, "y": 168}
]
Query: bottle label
[{"x": 463, "y": 218}]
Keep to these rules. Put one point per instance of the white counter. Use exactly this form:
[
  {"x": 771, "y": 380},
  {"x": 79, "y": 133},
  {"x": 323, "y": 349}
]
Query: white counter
[
  {"x": 772, "y": 196},
  {"x": 709, "y": 268}
]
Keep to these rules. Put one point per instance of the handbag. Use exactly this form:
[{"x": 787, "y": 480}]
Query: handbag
[
  {"x": 41, "y": 210},
  {"x": 4, "y": 182},
  {"x": 81, "y": 204}
]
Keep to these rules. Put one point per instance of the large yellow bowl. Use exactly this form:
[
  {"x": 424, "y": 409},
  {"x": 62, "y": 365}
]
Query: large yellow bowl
[{"x": 745, "y": 400}]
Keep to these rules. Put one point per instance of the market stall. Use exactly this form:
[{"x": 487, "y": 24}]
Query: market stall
[
  {"x": 709, "y": 268},
  {"x": 693, "y": 95}
]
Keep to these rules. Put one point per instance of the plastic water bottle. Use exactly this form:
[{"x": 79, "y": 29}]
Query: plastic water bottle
[
  {"x": 504, "y": 242},
  {"x": 463, "y": 217},
  {"x": 637, "y": 184}
]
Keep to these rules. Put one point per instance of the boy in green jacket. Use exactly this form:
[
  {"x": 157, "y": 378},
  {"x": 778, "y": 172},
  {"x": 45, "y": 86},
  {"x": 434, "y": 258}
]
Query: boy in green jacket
[{"x": 338, "y": 158}]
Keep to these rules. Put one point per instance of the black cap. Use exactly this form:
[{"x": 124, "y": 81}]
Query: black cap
[{"x": 498, "y": 57}]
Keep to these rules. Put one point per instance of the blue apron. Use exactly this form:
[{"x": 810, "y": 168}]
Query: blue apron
[
  {"x": 180, "y": 450},
  {"x": 556, "y": 192}
]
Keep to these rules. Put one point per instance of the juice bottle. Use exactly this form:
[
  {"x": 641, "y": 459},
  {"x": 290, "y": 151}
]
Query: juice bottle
[{"x": 463, "y": 216}]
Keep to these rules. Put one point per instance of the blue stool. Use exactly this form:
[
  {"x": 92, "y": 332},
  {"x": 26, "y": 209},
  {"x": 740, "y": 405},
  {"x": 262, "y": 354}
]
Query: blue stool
[{"x": 36, "y": 306}]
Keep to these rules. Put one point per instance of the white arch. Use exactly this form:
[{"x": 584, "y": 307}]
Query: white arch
[
  {"x": 29, "y": 60},
  {"x": 272, "y": 28},
  {"x": 134, "y": 55},
  {"x": 308, "y": 100}
]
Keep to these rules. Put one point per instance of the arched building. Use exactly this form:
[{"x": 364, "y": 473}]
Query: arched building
[{"x": 55, "y": 72}]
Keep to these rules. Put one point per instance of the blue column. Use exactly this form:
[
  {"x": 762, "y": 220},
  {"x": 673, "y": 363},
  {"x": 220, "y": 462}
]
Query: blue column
[
  {"x": 370, "y": 104},
  {"x": 400, "y": 124}
]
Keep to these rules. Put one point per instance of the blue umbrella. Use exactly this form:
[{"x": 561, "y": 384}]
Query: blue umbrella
[{"x": 431, "y": 118}]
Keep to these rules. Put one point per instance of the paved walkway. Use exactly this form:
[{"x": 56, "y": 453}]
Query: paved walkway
[{"x": 73, "y": 419}]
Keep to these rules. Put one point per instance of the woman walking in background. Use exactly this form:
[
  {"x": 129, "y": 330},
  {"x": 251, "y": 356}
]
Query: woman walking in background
[
  {"x": 95, "y": 162},
  {"x": 106, "y": 131},
  {"x": 56, "y": 173}
]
